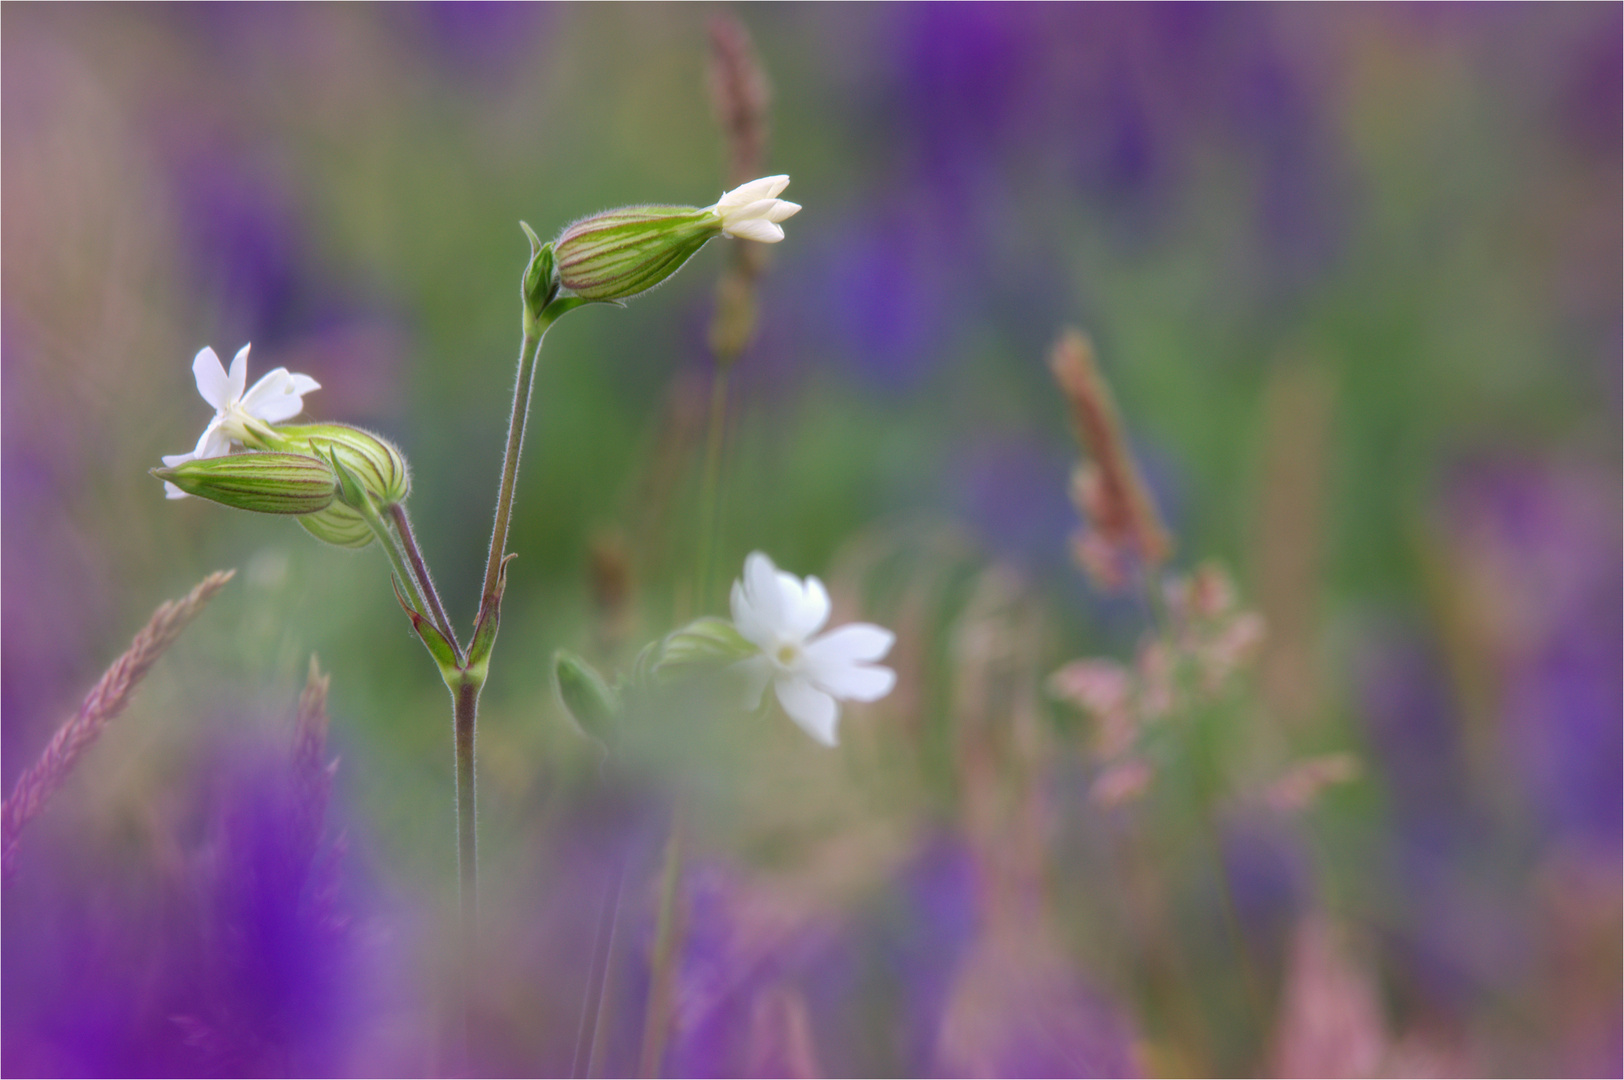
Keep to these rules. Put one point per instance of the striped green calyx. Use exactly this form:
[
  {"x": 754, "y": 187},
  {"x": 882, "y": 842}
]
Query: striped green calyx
[
  {"x": 376, "y": 464},
  {"x": 620, "y": 253},
  {"x": 265, "y": 483}
]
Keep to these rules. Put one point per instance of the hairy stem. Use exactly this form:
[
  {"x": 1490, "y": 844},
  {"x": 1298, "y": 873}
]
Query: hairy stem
[
  {"x": 466, "y": 706},
  {"x": 394, "y": 550},
  {"x": 529, "y": 351},
  {"x": 425, "y": 582}
]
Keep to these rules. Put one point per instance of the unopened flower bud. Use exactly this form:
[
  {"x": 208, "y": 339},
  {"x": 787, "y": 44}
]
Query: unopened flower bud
[
  {"x": 593, "y": 706},
  {"x": 265, "y": 483},
  {"x": 377, "y": 465},
  {"x": 620, "y": 253},
  {"x": 703, "y": 643}
]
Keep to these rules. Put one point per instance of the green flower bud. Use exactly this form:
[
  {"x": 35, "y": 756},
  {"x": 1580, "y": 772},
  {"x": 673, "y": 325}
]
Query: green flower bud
[
  {"x": 620, "y": 253},
  {"x": 704, "y": 643},
  {"x": 266, "y": 483},
  {"x": 594, "y": 707},
  {"x": 375, "y": 462},
  {"x": 540, "y": 281}
]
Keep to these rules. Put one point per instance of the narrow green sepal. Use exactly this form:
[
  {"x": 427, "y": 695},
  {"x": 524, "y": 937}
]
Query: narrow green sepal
[
  {"x": 490, "y": 619},
  {"x": 262, "y": 482},
  {"x": 590, "y": 702},
  {"x": 350, "y": 491},
  {"x": 539, "y": 285},
  {"x": 707, "y": 642},
  {"x": 444, "y": 653}
]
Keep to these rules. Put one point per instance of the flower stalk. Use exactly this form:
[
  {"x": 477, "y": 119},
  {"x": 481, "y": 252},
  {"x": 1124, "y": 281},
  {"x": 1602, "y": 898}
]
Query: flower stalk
[{"x": 347, "y": 487}]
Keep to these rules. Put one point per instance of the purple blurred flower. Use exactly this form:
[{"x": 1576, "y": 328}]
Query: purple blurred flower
[
  {"x": 1541, "y": 543},
  {"x": 1269, "y": 881},
  {"x": 54, "y": 594},
  {"x": 244, "y": 235},
  {"x": 743, "y": 942},
  {"x": 1013, "y": 492},
  {"x": 230, "y": 947},
  {"x": 964, "y": 86},
  {"x": 1018, "y": 1009},
  {"x": 482, "y": 39}
]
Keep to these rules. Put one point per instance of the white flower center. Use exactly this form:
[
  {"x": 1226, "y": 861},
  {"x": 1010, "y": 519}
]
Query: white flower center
[{"x": 787, "y": 655}]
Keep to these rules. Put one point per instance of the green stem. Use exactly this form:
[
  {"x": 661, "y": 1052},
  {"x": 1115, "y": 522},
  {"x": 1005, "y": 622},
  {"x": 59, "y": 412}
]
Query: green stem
[
  {"x": 390, "y": 541},
  {"x": 465, "y": 698},
  {"x": 403, "y": 527},
  {"x": 529, "y": 352}
]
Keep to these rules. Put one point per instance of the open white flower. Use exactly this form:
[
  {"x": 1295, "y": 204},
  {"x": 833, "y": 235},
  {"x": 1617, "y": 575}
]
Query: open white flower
[
  {"x": 752, "y": 211},
  {"x": 777, "y": 613},
  {"x": 277, "y": 396}
]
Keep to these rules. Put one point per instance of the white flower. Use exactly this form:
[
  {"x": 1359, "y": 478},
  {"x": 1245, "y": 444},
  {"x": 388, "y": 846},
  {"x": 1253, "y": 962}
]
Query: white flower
[
  {"x": 752, "y": 211},
  {"x": 276, "y": 397},
  {"x": 777, "y": 613}
]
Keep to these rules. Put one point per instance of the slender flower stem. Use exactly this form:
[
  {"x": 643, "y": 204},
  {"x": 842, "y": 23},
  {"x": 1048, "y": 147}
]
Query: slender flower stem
[
  {"x": 403, "y": 527},
  {"x": 466, "y": 698},
  {"x": 529, "y": 351},
  {"x": 662, "y": 977},
  {"x": 393, "y": 549}
]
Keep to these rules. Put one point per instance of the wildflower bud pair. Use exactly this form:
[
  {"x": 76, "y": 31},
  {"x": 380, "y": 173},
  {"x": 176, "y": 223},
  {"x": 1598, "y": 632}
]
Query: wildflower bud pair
[
  {"x": 317, "y": 472},
  {"x": 620, "y": 253}
]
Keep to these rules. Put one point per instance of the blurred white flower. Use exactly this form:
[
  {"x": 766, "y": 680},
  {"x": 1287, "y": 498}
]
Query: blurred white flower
[
  {"x": 277, "y": 396},
  {"x": 777, "y": 613},
  {"x": 752, "y": 211}
]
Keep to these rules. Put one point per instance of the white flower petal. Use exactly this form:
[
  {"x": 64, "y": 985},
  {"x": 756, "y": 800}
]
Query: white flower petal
[
  {"x": 811, "y": 708},
  {"x": 238, "y": 375},
  {"x": 765, "y": 188},
  {"x": 171, "y": 460},
  {"x": 747, "y": 622},
  {"x": 273, "y": 399},
  {"x": 214, "y": 442},
  {"x": 851, "y": 644},
  {"x": 303, "y": 384},
  {"x": 761, "y": 208},
  {"x": 760, "y": 230},
  {"x": 806, "y": 606},
  {"x": 856, "y": 682},
  {"x": 212, "y": 381},
  {"x": 783, "y": 210},
  {"x": 761, "y": 592}
]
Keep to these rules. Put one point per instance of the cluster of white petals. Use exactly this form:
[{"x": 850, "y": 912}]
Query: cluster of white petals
[
  {"x": 778, "y": 613},
  {"x": 753, "y": 211},
  {"x": 277, "y": 396}
]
